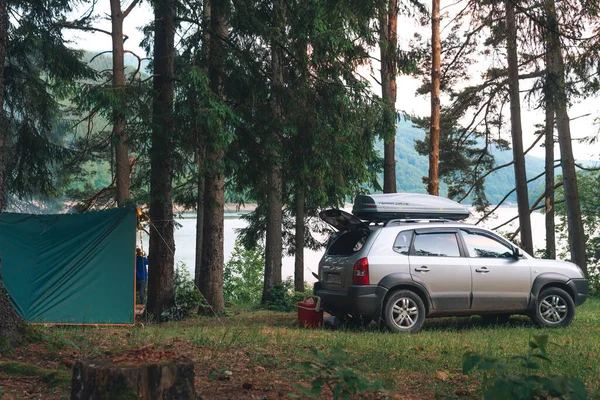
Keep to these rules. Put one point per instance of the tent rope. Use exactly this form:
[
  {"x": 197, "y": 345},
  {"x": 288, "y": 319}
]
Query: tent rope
[{"x": 198, "y": 289}]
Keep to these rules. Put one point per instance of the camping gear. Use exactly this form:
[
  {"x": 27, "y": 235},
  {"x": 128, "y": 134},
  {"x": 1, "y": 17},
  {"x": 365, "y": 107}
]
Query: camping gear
[
  {"x": 385, "y": 207},
  {"x": 310, "y": 313},
  {"x": 71, "y": 268}
]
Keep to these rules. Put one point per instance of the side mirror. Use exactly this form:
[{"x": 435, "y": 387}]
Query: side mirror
[{"x": 517, "y": 253}]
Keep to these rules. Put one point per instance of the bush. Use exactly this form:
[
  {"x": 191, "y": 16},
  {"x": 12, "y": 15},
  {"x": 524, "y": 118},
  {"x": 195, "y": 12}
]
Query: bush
[
  {"x": 499, "y": 383},
  {"x": 284, "y": 298},
  {"x": 334, "y": 372},
  {"x": 243, "y": 276},
  {"x": 187, "y": 297}
]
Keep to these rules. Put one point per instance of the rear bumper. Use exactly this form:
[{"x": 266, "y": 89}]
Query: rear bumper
[
  {"x": 358, "y": 300},
  {"x": 580, "y": 290}
]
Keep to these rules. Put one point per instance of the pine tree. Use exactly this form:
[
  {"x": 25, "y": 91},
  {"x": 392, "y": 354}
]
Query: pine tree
[
  {"x": 162, "y": 243},
  {"x": 516, "y": 129},
  {"x": 433, "y": 186}
]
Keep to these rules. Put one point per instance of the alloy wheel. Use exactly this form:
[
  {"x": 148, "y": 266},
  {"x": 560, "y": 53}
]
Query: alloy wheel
[{"x": 553, "y": 309}]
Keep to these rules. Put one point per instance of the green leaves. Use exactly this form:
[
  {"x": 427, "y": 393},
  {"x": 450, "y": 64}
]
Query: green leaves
[
  {"x": 499, "y": 384},
  {"x": 331, "y": 373}
]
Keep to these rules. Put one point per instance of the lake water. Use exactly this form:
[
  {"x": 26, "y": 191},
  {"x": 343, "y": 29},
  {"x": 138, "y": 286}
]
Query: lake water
[{"x": 185, "y": 239}]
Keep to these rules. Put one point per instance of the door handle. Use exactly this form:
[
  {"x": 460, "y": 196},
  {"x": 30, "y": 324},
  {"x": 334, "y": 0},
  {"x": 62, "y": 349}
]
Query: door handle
[
  {"x": 422, "y": 269},
  {"x": 482, "y": 270}
]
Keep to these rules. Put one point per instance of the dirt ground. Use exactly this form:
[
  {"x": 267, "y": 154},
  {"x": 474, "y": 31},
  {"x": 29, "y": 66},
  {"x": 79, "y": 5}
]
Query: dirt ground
[{"x": 243, "y": 379}]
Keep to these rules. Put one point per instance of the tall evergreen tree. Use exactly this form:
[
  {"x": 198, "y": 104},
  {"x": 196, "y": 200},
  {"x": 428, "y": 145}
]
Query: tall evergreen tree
[
  {"x": 211, "y": 280},
  {"x": 162, "y": 243},
  {"x": 516, "y": 129},
  {"x": 556, "y": 78},
  {"x": 9, "y": 320},
  {"x": 388, "y": 23},
  {"x": 36, "y": 68},
  {"x": 119, "y": 134},
  {"x": 433, "y": 186},
  {"x": 274, "y": 184}
]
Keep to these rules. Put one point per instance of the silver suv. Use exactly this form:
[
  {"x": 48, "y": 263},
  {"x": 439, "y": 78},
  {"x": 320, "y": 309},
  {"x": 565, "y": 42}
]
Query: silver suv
[{"x": 401, "y": 271}]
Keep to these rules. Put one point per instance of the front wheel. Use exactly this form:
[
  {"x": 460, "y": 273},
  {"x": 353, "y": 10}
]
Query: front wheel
[
  {"x": 554, "y": 308},
  {"x": 404, "y": 312}
]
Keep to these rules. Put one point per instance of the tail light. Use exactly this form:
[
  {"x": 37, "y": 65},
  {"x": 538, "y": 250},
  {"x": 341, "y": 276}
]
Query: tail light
[{"x": 361, "y": 272}]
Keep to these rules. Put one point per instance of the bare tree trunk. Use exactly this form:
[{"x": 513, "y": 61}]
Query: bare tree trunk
[
  {"x": 162, "y": 244},
  {"x": 516, "y": 129},
  {"x": 206, "y": 13},
  {"x": 549, "y": 147},
  {"x": 299, "y": 236},
  {"x": 9, "y": 320},
  {"x": 273, "y": 240},
  {"x": 571, "y": 191},
  {"x": 211, "y": 282},
  {"x": 433, "y": 186},
  {"x": 388, "y": 23},
  {"x": 122, "y": 166},
  {"x": 199, "y": 221}
]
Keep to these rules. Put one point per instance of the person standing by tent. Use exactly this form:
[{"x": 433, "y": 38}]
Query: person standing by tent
[{"x": 141, "y": 273}]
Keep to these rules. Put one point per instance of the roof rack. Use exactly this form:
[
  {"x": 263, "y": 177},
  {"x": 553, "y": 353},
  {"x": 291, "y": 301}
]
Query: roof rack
[{"x": 415, "y": 220}]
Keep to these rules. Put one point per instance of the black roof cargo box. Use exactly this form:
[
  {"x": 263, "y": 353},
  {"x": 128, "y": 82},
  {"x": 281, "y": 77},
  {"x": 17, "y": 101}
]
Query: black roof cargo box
[{"x": 384, "y": 207}]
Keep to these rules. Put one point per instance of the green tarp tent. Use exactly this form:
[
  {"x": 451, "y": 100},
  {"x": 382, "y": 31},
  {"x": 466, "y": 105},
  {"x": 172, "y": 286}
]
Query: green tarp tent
[{"x": 71, "y": 268}]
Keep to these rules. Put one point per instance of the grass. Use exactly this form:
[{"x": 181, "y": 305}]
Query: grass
[
  {"x": 418, "y": 365},
  {"x": 53, "y": 378}
]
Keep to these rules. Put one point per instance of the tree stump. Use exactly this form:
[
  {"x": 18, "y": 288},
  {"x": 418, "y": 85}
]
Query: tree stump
[{"x": 138, "y": 374}]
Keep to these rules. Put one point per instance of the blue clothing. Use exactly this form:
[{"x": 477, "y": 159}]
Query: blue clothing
[{"x": 141, "y": 268}]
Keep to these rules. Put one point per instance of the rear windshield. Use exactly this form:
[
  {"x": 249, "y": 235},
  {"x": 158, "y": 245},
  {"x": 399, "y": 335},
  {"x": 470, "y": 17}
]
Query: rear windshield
[{"x": 347, "y": 243}]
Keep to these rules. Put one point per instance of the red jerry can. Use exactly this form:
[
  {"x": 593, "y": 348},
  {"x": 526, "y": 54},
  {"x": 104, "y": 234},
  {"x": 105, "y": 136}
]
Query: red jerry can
[{"x": 310, "y": 313}]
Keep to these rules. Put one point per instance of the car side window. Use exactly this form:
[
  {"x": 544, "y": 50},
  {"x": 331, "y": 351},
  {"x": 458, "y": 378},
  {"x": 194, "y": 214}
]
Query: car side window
[
  {"x": 436, "y": 244},
  {"x": 402, "y": 243},
  {"x": 482, "y": 246}
]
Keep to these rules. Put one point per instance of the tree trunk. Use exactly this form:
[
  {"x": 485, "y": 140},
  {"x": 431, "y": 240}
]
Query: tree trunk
[
  {"x": 549, "y": 147},
  {"x": 199, "y": 223},
  {"x": 433, "y": 186},
  {"x": 9, "y": 320},
  {"x": 273, "y": 239},
  {"x": 162, "y": 244},
  {"x": 299, "y": 236},
  {"x": 122, "y": 165},
  {"x": 211, "y": 282},
  {"x": 516, "y": 129},
  {"x": 388, "y": 23},
  {"x": 104, "y": 379},
  {"x": 571, "y": 192},
  {"x": 206, "y": 14}
]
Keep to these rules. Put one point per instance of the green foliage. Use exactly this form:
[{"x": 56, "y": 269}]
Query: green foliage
[
  {"x": 51, "y": 377},
  {"x": 187, "y": 297},
  {"x": 500, "y": 382},
  {"x": 332, "y": 371},
  {"x": 589, "y": 194},
  {"x": 243, "y": 275},
  {"x": 284, "y": 298}
]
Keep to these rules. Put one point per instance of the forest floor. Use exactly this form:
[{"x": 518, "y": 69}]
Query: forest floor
[{"x": 260, "y": 354}]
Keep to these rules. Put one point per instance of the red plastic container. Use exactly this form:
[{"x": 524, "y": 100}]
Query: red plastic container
[{"x": 310, "y": 313}]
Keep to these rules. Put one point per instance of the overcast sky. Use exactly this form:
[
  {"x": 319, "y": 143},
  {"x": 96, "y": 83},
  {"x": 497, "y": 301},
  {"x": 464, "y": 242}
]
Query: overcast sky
[{"x": 406, "y": 99}]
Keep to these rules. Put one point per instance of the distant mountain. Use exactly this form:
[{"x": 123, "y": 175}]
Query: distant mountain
[{"x": 412, "y": 167}]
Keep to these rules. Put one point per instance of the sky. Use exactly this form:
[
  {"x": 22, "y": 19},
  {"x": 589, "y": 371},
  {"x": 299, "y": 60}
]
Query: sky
[{"x": 583, "y": 114}]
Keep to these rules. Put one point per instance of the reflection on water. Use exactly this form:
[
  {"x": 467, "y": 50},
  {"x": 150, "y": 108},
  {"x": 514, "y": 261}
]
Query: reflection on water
[{"x": 185, "y": 239}]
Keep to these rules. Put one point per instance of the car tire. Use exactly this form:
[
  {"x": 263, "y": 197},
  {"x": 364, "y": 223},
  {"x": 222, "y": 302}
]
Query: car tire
[
  {"x": 554, "y": 308},
  {"x": 404, "y": 312}
]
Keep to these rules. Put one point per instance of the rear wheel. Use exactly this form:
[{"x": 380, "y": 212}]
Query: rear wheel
[
  {"x": 554, "y": 308},
  {"x": 404, "y": 312}
]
